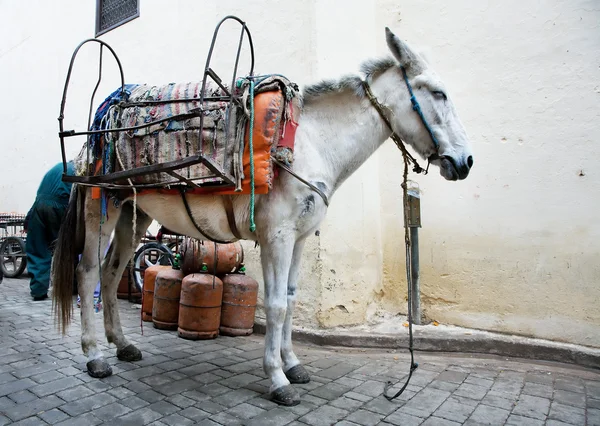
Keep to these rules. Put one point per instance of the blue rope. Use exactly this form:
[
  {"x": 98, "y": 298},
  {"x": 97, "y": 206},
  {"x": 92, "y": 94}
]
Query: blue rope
[{"x": 417, "y": 108}]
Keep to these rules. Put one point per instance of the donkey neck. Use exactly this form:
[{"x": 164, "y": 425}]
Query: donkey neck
[{"x": 345, "y": 131}]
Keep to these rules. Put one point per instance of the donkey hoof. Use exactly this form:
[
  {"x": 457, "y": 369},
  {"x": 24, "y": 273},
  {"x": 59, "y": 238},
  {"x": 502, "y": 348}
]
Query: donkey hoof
[
  {"x": 129, "y": 353},
  {"x": 285, "y": 395},
  {"x": 297, "y": 374},
  {"x": 98, "y": 368}
]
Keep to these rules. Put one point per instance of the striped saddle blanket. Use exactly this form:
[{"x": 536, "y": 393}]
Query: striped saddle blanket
[{"x": 166, "y": 128}]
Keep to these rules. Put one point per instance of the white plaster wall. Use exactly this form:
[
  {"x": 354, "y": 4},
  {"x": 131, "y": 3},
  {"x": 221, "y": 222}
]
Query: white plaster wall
[{"x": 513, "y": 248}]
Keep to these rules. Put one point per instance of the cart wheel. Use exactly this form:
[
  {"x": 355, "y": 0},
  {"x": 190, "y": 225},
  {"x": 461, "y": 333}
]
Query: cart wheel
[
  {"x": 12, "y": 257},
  {"x": 149, "y": 254}
]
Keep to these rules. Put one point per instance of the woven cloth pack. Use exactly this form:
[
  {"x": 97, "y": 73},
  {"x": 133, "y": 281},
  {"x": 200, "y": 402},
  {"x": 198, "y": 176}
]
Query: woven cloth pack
[{"x": 174, "y": 111}]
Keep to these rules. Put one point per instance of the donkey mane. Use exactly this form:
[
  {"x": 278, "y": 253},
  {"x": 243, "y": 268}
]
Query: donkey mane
[{"x": 370, "y": 68}]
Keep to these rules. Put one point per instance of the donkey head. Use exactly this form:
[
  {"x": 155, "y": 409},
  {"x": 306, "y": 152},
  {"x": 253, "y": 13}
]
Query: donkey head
[{"x": 453, "y": 155}]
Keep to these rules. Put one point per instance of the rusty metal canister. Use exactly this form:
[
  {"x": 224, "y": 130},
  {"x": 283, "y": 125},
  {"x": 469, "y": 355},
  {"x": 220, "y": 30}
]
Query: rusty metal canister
[
  {"x": 240, "y": 293},
  {"x": 123, "y": 288},
  {"x": 148, "y": 293},
  {"x": 165, "y": 307},
  {"x": 200, "y": 307},
  {"x": 199, "y": 256}
]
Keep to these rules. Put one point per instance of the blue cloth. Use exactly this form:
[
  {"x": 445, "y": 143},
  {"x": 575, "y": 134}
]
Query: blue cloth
[{"x": 43, "y": 223}]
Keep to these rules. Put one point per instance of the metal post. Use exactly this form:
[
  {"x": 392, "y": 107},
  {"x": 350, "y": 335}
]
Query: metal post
[{"x": 414, "y": 222}]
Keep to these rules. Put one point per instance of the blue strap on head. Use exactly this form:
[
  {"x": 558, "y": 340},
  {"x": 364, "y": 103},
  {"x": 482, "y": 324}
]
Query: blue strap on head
[{"x": 417, "y": 108}]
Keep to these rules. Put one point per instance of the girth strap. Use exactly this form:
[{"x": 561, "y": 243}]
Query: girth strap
[
  {"x": 304, "y": 181},
  {"x": 228, "y": 204},
  {"x": 189, "y": 212}
]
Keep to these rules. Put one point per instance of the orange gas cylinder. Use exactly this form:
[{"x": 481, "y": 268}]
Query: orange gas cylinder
[
  {"x": 165, "y": 307},
  {"x": 148, "y": 294},
  {"x": 200, "y": 307},
  {"x": 197, "y": 253},
  {"x": 123, "y": 288},
  {"x": 240, "y": 293}
]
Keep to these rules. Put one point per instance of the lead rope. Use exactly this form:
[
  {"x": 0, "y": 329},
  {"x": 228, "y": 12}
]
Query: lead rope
[
  {"x": 413, "y": 364},
  {"x": 251, "y": 151}
]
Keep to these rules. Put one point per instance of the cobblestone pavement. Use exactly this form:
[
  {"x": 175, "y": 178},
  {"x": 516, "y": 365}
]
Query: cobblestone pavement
[{"x": 180, "y": 382}]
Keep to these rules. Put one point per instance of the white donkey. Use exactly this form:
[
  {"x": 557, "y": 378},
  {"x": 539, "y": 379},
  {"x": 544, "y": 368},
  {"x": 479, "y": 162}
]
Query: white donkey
[{"x": 338, "y": 130}]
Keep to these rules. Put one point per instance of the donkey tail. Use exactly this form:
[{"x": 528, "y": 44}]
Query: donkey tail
[{"x": 68, "y": 247}]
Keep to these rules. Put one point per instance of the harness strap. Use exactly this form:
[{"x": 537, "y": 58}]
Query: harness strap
[
  {"x": 397, "y": 140},
  {"x": 189, "y": 212},
  {"x": 228, "y": 204},
  {"x": 304, "y": 181}
]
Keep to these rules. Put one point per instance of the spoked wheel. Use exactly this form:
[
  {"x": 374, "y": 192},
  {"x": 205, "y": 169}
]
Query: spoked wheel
[
  {"x": 13, "y": 259},
  {"x": 149, "y": 254}
]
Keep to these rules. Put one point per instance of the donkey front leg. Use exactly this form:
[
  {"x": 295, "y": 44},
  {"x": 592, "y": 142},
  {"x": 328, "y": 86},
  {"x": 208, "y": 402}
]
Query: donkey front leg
[
  {"x": 276, "y": 257},
  {"x": 113, "y": 267},
  {"x": 294, "y": 371}
]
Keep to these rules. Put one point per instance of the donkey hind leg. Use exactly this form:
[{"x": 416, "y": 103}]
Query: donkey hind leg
[
  {"x": 96, "y": 241},
  {"x": 112, "y": 269},
  {"x": 294, "y": 371},
  {"x": 276, "y": 257}
]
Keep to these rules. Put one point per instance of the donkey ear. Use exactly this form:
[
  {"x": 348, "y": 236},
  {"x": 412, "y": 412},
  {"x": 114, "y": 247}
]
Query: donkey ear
[{"x": 402, "y": 52}]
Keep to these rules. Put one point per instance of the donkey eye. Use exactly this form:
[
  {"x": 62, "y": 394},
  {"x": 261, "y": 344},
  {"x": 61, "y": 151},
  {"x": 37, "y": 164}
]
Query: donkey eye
[{"x": 439, "y": 94}]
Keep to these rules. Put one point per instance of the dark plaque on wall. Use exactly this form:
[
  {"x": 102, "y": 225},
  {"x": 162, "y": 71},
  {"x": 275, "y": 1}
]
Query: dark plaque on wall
[{"x": 112, "y": 13}]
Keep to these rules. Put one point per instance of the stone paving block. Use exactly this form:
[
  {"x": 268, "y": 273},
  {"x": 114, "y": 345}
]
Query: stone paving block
[
  {"x": 176, "y": 419},
  {"x": 111, "y": 411},
  {"x": 48, "y": 376},
  {"x": 137, "y": 387},
  {"x": 324, "y": 363},
  {"x": 276, "y": 417},
  {"x": 403, "y": 419},
  {"x": 381, "y": 405},
  {"x": 5, "y": 403},
  {"x": 593, "y": 403},
  {"x": 302, "y": 408},
  {"x": 516, "y": 420},
  {"x": 141, "y": 416},
  {"x": 134, "y": 402},
  {"x": 469, "y": 390},
  {"x": 22, "y": 396},
  {"x": 425, "y": 402},
  {"x": 342, "y": 423},
  {"x": 87, "y": 419},
  {"x": 324, "y": 416},
  {"x": 194, "y": 414},
  {"x": 484, "y": 414},
  {"x": 329, "y": 391},
  {"x": 141, "y": 372},
  {"x": 437, "y": 421},
  {"x": 16, "y": 386},
  {"x": 370, "y": 388},
  {"x": 454, "y": 409},
  {"x": 31, "y": 421},
  {"x": 51, "y": 387},
  {"x": 22, "y": 411},
  {"x": 452, "y": 376},
  {"x": 151, "y": 396},
  {"x": 567, "y": 413},
  {"x": 479, "y": 381},
  {"x": 235, "y": 397},
  {"x": 163, "y": 407},
  {"x": 570, "y": 398},
  {"x": 181, "y": 401},
  {"x": 315, "y": 400},
  {"x": 365, "y": 418},
  {"x": 538, "y": 389},
  {"x": 206, "y": 378},
  {"x": 194, "y": 395},
  {"x": 239, "y": 380},
  {"x": 336, "y": 371},
  {"x": 89, "y": 403},
  {"x": 120, "y": 392},
  {"x": 6, "y": 377},
  {"x": 263, "y": 402},
  {"x": 245, "y": 411},
  {"x": 30, "y": 368},
  {"x": 178, "y": 386},
  {"x": 69, "y": 371},
  {"x": 442, "y": 385},
  {"x": 224, "y": 418},
  {"x": 212, "y": 407},
  {"x": 346, "y": 381},
  {"x": 99, "y": 385},
  {"x": 593, "y": 416},
  {"x": 53, "y": 416},
  {"x": 571, "y": 384},
  {"x": 158, "y": 380},
  {"x": 213, "y": 389}
]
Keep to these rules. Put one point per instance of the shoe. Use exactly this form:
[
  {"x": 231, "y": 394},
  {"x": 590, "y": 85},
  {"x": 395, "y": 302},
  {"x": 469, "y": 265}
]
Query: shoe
[{"x": 38, "y": 298}]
